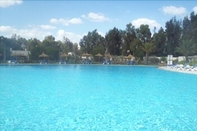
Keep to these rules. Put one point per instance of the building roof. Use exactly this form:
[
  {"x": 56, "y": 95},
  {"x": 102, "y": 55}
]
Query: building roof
[{"x": 20, "y": 53}]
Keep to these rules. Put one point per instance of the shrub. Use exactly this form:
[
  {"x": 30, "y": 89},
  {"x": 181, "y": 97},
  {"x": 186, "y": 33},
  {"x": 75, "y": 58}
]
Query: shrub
[
  {"x": 182, "y": 62},
  {"x": 175, "y": 61},
  {"x": 153, "y": 60},
  {"x": 193, "y": 62},
  {"x": 164, "y": 59}
]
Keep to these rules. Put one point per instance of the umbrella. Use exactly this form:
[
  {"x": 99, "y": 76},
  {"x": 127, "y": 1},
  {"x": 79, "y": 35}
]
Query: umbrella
[
  {"x": 63, "y": 55},
  {"x": 99, "y": 55},
  {"x": 86, "y": 54},
  {"x": 43, "y": 55},
  {"x": 130, "y": 56}
]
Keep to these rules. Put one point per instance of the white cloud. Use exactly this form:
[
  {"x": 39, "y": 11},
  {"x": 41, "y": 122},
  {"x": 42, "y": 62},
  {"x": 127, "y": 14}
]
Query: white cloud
[
  {"x": 172, "y": 10},
  {"x": 195, "y": 9},
  {"x": 7, "y": 3},
  {"x": 47, "y": 27},
  {"x": 66, "y": 22},
  {"x": 6, "y": 29},
  {"x": 75, "y": 21},
  {"x": 83, "y": 16},
  {"x": 25, "y": 33},
  {"x": 71, "y": 36},
  {"x": 39, "y": 33},
  {"x": 151, "y": 23},
  {"x": 54, "y": 21},
  {"x": 96, "y": 17}
]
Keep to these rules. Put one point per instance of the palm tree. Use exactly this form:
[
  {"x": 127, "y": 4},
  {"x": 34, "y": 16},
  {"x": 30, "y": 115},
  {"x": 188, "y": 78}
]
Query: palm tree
[
  {"x": 187, "y": 47},
  {"x": 148, "y": 48}
]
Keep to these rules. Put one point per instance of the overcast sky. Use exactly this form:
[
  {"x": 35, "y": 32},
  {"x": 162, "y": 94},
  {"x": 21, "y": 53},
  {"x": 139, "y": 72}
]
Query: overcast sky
[{"x": 74, "y": 19}]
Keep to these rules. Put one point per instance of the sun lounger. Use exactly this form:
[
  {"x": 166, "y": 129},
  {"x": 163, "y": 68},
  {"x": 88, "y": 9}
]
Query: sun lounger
[
  {"x": 183, "y": 67},
  {"x": 192, "y": 68}
]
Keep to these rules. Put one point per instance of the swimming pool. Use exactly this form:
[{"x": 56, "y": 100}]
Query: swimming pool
[{"x": 97, "y": 98}]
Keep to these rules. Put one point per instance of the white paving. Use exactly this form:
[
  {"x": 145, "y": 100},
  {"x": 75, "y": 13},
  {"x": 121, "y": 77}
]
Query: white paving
[{"x": 189, "y": 71}]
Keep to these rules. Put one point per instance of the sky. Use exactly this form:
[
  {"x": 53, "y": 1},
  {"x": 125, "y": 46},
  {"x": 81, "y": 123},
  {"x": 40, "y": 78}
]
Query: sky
[{"x": 75, "y": 18}]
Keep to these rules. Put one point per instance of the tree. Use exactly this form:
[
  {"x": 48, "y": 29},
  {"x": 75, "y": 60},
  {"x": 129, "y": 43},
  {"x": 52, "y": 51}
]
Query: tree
[
  {"x": 51, "y": 47},
  {"x": 143, "y": 33},
  {"x": 135, "y": 47},
  {"x": 143, "y": 37},
  {"x": 187, "y": 47},
  {"x": 128, "y": 36},
  {"x": 66, "y": 45},
  {"x": 173, "y": 35},
  {"x": 9, "y": 43},
  {"x": 147, "y": 48},
  {"x": 16, "y": 42},
  {"x": 98, "y": 49},
  {"x": 48, "y": 41},
  {"x": 34, "y": 46},
  {"x": 4, "y": 49},
  {"x": 160, "y": 40},
  {"x": 186, "y": 32},
  {"x": 75, "y": 51},
  {"x": 193, "y": 28},
  {"x": 91, "y": 40},
  {"x": 113, "y": 41}
]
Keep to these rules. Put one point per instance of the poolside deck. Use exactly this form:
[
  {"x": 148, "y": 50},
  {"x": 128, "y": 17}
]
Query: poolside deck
[{"x": 178, "y": 70}]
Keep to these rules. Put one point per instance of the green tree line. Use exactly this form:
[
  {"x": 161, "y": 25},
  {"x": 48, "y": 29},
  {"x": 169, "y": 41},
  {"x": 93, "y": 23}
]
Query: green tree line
[{"x": 178, "y": 38}]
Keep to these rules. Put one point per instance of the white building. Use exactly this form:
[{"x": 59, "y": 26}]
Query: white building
[{"x": 20, "y": 53}]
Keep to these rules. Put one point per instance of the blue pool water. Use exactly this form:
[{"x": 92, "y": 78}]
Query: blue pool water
[{"x": 96, "y": 98}]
